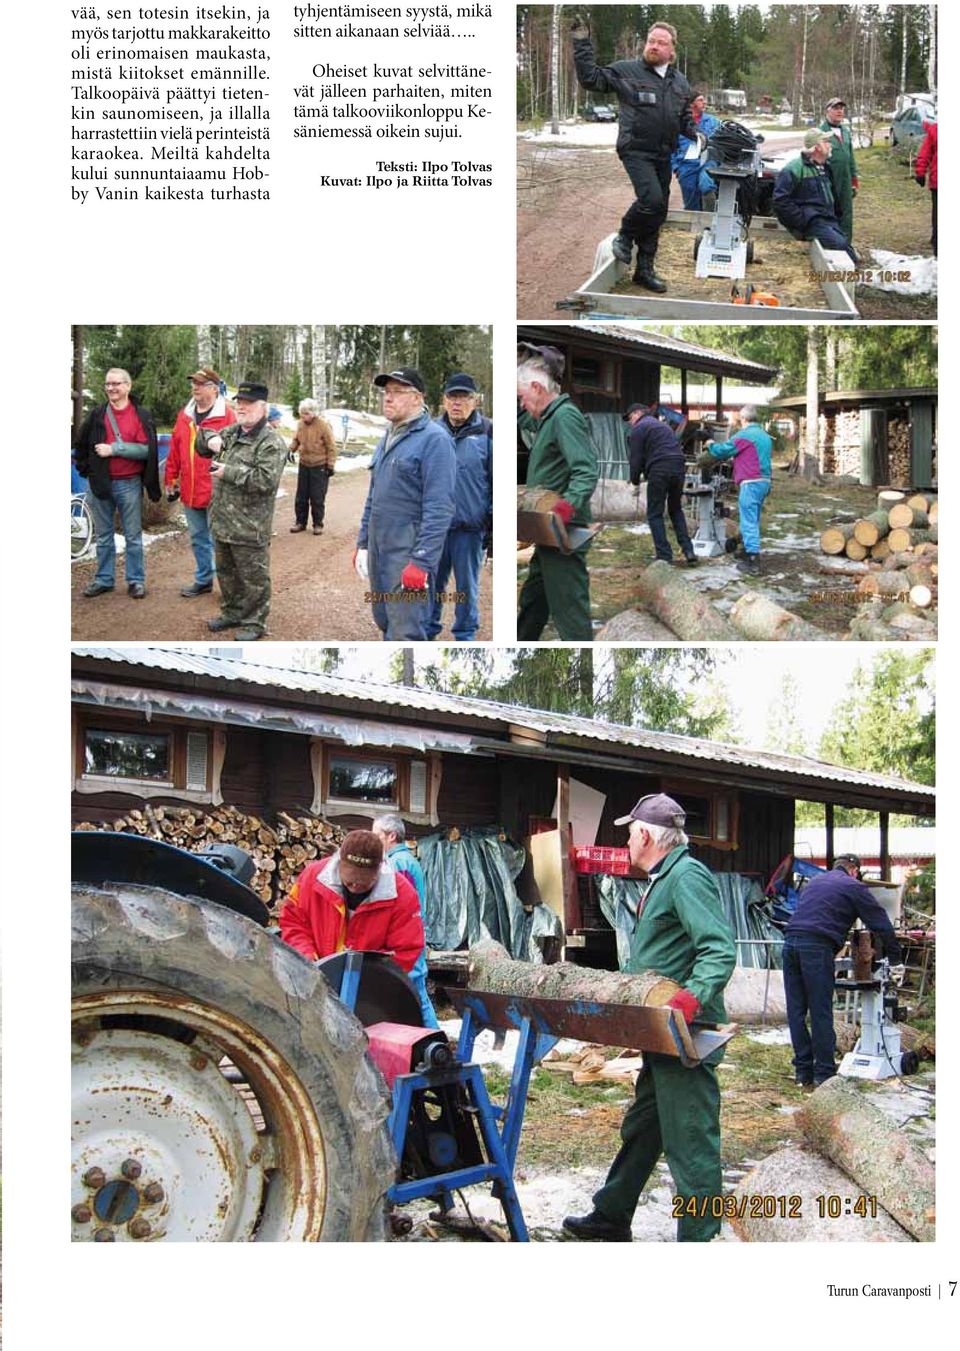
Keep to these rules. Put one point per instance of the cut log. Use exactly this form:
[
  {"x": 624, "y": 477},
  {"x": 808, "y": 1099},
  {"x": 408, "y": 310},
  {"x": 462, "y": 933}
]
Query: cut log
[
  {"x": 933, "y": 515},
  {"x": 904, "y": 619},
  {"x": 793, "y": 1172},
  {"x": 754, "y": 995},
  {"x": 921, "y": 596},
  {"x": 928, "y": 550},
  {"x": 679, "y": 605},
  {"x": 933, "y": 534},
  {"x": 884, "y": 584},
  {"x": 870, "y": 630},
  {"x": 903, "y": 514},
  {"x": 615, "y": 500},
  {"x": 903, "y": 559},
  {"x": 840, "y": 1122},
  {"x": 844, "y": 567},
  {"x": 919, "y": 574},
  {"x": 902, "y": 538},
  {"x": 763, "y": 620},
  {"x": 873, "y": 527},
  {"x": 833, "y": 540},
  {"x": 922, "y": 501},
  {"x": 880, "y": 550},
  {"x": 855, "y": 550},
  {"x": 491, "y": 968},
  {"x": 888, "y": 497},
  {"x": 634, "y": 626}
]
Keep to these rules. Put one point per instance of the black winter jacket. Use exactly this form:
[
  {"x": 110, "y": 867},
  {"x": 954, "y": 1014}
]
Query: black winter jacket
[
  {"x": 96, "y": 469},
  {"x": 654, "y": 109},
  {"x": 653, "y": 450}
]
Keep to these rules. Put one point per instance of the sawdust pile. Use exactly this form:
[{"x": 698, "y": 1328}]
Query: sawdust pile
[{"x": 781, "y": 265}]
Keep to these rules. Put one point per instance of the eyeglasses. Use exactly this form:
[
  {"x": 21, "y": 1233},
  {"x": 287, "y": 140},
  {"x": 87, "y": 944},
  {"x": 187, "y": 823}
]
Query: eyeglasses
[{"x": 115, "y": 384}]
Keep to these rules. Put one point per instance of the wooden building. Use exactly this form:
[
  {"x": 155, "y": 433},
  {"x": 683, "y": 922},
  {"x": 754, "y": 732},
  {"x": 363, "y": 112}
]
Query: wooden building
[
  {"x": 882, "y": 437},
  {"x": 177, "y": 726}
]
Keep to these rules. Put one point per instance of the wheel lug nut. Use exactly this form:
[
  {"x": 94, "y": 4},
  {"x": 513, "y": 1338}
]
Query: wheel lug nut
[
  {"x": 139, "y": 1228},
  {"x": 153, "y": 1192},
  {"x": 198, "y": 1061},
  {"x": 103, "y": 1236},
  {"x": 131, "y": 1169},
  {"x": 82, "y": 1214},
  {"x": 94, "y": 1177}
]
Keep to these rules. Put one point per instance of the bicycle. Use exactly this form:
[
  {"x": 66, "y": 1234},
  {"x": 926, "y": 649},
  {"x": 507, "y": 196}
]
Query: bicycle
[{"x": 82, "y": 540}]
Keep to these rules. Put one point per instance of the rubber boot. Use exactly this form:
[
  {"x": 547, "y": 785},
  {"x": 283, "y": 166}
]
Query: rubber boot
[{"x": 646, "y": 277}]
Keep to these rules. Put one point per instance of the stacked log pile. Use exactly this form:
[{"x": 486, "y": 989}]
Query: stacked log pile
[
  {"x": 280, "y": 851},
  {"x": 892, "y": 552},
  {"x": 898, "y": 453},
  {"x": 839, "y": 442}
]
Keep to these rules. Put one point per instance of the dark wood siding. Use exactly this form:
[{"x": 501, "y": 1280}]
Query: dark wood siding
[{"x": 469, "y": 791}]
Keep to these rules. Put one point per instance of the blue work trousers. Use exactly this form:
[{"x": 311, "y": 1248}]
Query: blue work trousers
[
  {"x": 201, "y": 542},
  {"x": 753, "y": 494},
  {"x": 808, "y": 981},
  {"x": 418, "y": 974},
  {"x": 125, "y": 496},
  {"x": 830, "y": 236},
  {"x": 462, "y": 555}
]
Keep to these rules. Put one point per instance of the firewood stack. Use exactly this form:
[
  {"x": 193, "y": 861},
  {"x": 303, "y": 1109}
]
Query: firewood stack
[
  {"x": 894, "y": 555},
  {"x": 838, "y": 441},
  {"x": 279, "y": 852},
  {"x": 898, "y": 453}
]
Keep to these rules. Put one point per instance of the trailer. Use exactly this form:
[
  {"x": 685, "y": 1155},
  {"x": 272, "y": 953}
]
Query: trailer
[{"x": 598, "y": 298}]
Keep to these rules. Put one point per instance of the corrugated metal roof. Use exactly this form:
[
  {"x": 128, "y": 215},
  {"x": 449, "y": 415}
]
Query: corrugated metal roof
[
  {"x": 663, "y": 348},
  {"x": 563, "y": 726}
]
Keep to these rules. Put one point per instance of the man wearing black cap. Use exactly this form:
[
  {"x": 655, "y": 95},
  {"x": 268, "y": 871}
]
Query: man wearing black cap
[
  {"x": 246, "y": 472},
  {"x": 473, "y": 506},
  {"x": 827, "y": 908},
  {"x": 655, "y": 108},
  {"x": 682, "y": 933},
  {"x": 562, "y": 458},
  {"x": 408, "y": 511},
  {"x": 841, "y": 166},
  {"x": 655, "y": 454}
]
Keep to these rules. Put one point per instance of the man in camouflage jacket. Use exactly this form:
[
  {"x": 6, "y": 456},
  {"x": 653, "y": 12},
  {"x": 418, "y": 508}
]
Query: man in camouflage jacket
[{"x": 250, "y": 457}]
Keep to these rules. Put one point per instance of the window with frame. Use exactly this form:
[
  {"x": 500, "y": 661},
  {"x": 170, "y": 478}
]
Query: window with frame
[
  {"x": 372, "y": 782},
  {"x": 593, "y": 373},
  {"x": 121, "y": 756},
  {"x": 353, "y": 778},
  {"x": 712, "y": 815}
]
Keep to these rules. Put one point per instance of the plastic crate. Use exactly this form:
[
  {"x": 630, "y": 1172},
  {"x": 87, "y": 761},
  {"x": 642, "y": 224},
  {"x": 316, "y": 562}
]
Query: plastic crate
[{"x": 595, "y": 858}]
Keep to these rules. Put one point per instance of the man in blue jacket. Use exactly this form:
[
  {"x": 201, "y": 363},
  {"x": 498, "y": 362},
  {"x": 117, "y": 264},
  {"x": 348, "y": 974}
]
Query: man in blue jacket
[
  {"x": 751, "y": 449},
  {"x": 825, "y": 912},
  {"x": 391, "y": 830},
  {"x": 657, "y": 456},
  {"x": 473, "y": 509},
  {"x": 409, "y": 508},
  {"x": 803, "y": 198},
  {"x": 698, "y": 188}
]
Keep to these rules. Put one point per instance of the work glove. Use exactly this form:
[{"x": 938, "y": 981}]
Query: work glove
[
  {"x": 686, "y": 1003},
  {"x": 705, "y": 460},
  {"x": 564, "y": 510},
  {"x": 855, "y": 185},
  {"x": 413, "y": 578},
  {"x": 173, "y": 494},
  {"x": 920, "y": 180},
  {"x": 897, "y": 973},
  {"x": 579, "y": 29},
  {"x": 360, "y": 564}
]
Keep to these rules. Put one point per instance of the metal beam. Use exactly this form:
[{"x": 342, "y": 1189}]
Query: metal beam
[
  {"x": 885, "y": 846},
  {"x": 829, "y": 824}
]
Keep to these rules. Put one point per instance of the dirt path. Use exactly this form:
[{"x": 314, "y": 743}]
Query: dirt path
[{"x": 316, "y": 594}]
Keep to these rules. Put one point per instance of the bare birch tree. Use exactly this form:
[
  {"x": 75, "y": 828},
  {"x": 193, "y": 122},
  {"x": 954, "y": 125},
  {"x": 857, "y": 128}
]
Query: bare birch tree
[
  {"x": 555, "y": 72},
  {"x": 318, "y": 374},
  {"x": 204, "y": 345}
]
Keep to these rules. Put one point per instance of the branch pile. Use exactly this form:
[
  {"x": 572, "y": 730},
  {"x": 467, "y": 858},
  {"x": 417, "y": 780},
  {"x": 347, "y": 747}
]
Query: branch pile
[{"x": 280, "y": 851}]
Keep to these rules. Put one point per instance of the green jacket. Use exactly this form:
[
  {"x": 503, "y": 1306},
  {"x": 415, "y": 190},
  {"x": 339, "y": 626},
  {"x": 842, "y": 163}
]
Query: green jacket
[
  {"x": 562, "y": 455},
  {"x": 241, "y": 510},
  {"x": 842, "y": 168},
  {"x": 683, "y": 933}
]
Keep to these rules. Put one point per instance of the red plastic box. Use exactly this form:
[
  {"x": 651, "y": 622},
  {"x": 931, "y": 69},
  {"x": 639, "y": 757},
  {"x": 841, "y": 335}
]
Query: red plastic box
[{"x": 595, "y": 858}]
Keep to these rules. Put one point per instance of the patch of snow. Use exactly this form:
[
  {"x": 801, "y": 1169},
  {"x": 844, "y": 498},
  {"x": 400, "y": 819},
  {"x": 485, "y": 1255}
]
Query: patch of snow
[
  {"x": 346, "y": 463},
  {"x": 120, "y": 543},
  {"x": 922, "y": 270},
  {"x": 769, "y": 1036},
  {"x": 575, "y": 134}
]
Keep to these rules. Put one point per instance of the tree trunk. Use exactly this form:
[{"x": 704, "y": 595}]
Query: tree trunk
[
  {"x": 903, "y": 54},
  {"x": 634, "y": 626},
  {"x": 872, "y": 528},
  {"x": 763, "y": 620},
  {"x": 793, "y": 1172},
  {"x": 834, "y": 539},
  {"x": 204, "y": 345},
  {"x": 555, "y": 72},
  {"x": 855, "y": 550},
  {"x": 902, "y": 538},
  {"x": 812, "y": 447},
  {"x": 491, "y": 968},
  {"x": 903, "y": 514},
  {"x": 680, "y": 606},
  {"x": 843, "y": 567},
  {"x": 318, "y": 375},
  {"x": 840, "y": 1122},
  {"x": 77, "y": 393}
]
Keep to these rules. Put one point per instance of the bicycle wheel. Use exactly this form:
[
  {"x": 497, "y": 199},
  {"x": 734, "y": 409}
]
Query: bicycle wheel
[{"x": 81, "y": 528}]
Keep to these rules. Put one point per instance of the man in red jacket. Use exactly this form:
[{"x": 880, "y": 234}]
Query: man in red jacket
[
  {"x": 354, "y": 900},
  {"x": 925, "y": 172},
  {"x": 207, "y": 412}
]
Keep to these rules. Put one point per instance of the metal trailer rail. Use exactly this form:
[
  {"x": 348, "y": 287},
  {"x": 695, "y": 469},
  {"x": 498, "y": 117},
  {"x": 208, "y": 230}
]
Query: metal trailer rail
[{"x": 597, "y": 298}]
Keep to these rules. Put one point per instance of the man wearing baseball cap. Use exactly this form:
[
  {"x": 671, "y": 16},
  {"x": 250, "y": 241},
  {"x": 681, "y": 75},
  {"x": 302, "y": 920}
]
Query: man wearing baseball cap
[
  {"x": 562, "y": 458},
  {"x": 187, "y": 475},
  {"x": 803, "y": 197},
  {"x": 682, "y": 933},
  {"x": 656, "y": 455},
  {"x": 825, "y": 911},
  {"x": 408, "y": 511},
  {"x": 354, "y": 900},
  {"x": 841, "y": 166},
  {"x": 473, "y": 506},
  {"x": 250, "y": 456}
]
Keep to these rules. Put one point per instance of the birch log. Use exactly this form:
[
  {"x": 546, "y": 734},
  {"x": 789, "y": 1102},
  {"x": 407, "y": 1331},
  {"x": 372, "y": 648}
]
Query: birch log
[
  {"x": 761, "y": 619},
  {"x": 491, "y": 968},
  {"x": 794, "y": 1172},
  {"x": 834, "y": 539},
  {"x": 872, "y": 528},
  {"x": 840, "y": 1122},
  {"x": 669, "y": 596}
]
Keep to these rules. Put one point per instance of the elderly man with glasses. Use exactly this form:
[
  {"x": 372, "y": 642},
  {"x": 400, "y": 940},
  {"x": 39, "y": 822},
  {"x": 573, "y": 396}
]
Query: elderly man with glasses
[
  {"x": 116, "y": 452},
  {"x": 408, "y": 511},
  {"x": 187, "y": 475}
]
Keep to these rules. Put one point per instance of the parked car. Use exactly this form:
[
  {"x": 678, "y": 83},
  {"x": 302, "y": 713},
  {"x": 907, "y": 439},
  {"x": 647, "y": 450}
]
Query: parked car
[
  {"x": 906, "y": 129},
  {"x": 600, "y": 112}
]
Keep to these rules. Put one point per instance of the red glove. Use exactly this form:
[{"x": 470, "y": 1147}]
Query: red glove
[
  {"x": 855, "y": 184},
  {"x": 686, "y": 1003},
  {"x": 564, "y": 510},
  {"x": 413, "y": 578}
]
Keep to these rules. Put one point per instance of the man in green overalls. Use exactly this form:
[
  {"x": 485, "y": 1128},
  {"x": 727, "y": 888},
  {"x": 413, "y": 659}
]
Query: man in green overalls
[
  {"x": 681, "y": 932},
  {"x": 563, "y": 458},
  {"x": 841, "y": 166}
]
